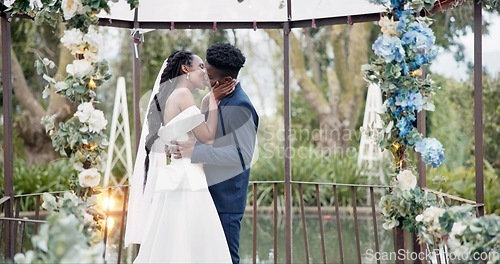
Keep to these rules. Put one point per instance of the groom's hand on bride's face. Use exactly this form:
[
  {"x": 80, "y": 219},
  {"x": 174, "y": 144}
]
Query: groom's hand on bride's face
[
  {"x": 183, "y": 149},
  {"x": 222, "y": 90}
]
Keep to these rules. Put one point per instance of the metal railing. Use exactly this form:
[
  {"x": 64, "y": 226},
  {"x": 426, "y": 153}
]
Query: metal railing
[{"x": 329, "y": 206}]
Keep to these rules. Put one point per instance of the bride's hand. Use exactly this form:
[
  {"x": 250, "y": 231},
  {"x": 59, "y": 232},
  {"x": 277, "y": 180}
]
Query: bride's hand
[{"x": 222, "y": 90}]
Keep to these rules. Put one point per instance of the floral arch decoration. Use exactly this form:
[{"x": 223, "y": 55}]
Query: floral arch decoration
[
  {"x": 81, "y": 138},
  {"x": 406, "y": 44}
]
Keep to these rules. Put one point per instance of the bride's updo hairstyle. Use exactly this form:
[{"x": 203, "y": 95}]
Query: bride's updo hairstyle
[{"x": 168, "y": 82}]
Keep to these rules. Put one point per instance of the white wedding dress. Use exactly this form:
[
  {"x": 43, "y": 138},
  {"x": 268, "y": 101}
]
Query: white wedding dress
[{"x": 182, "y": 222}]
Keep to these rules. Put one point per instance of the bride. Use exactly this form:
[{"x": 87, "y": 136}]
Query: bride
[{"x": 170, "y": 211}]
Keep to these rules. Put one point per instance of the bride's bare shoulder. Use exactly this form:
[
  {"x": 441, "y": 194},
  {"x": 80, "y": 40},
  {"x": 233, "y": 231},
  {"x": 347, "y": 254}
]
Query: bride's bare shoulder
[{"x": 183, "y": 97}]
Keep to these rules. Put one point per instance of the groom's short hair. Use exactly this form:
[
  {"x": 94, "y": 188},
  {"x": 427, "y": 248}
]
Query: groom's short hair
[{"x": 226, "y": 58}]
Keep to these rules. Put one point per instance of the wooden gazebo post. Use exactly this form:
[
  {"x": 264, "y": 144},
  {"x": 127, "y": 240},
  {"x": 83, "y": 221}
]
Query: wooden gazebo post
[
  {"x": 478, "y": 105},
  {"x": 287, "y": 126},
  {"x": 8, "y": 150}
]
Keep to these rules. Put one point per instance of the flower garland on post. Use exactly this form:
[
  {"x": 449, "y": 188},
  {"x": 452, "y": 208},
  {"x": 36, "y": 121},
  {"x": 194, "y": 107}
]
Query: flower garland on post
[
  {"x": 80, "y": 138},
  {"x": 404, "y": 47}
]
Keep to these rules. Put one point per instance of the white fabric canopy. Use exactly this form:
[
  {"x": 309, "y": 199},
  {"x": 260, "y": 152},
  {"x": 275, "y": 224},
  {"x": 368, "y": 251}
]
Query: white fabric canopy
[{"x": 233, "y": 11}]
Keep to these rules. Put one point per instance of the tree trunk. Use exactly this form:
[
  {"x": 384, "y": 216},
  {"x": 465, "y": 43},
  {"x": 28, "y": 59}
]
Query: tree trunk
[
  {"x": 37, "y": 144},
  {"x": 339, "y": 110}
]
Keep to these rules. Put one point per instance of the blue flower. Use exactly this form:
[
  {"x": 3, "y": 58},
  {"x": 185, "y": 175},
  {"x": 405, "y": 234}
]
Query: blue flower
[
  {"x": 421, "y": 59},
  {"x": 396, "y": 3},
  {"x": 419, "y": 37},
  {"x": 405, "y": 68},
  {"x": 404, "y": 18},
  {"x": 409, "y": 100},
  {"x": 398, "y": 112},
  {"x": 389, "y": 48},
  {"x": 405, "y": 125},
  {"x": 431, "y": 150}
]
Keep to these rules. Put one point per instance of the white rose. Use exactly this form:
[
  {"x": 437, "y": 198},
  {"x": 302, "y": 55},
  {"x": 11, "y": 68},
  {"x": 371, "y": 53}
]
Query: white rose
[
  {"x": 89, "y": 178},
  {"x": 85, "y": 111},
  {"x": 73, "y": 40},
  {"x": 97, "y": 121},
  {"x": 91, "y": 56},
  {"x": 79, "y": 68},
  {"x": 93, "y": 39},
  {"x": 71, "y": 8},
  {"x": 431, "y": 215},
  {"x": 406, "y": 180},
  {"x": 390, "y": 224}
]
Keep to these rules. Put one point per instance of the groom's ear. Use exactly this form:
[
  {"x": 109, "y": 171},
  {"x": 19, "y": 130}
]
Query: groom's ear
[{"x": 227, "y": 79}]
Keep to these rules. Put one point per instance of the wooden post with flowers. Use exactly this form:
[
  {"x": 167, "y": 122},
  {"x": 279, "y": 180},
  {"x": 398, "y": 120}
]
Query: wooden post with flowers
[
  {"x": 75, "y": 215},
  {"x": 404, "y": 47}
]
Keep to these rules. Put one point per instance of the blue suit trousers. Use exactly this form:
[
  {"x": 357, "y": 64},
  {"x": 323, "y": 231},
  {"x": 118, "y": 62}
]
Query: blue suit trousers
[{"x": 231, "y": 223}]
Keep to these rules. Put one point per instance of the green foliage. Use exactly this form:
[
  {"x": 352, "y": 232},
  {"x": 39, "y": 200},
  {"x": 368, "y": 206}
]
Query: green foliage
[
  {"x": 69, "y": 236},
  {"x": 72, "y": 140},
  {"x": 449, "y": 26},
  {"x": 77, "y": 87},
  {"x": 133, "y": 3},
  {"x": 308, "y": 165},
  {"x": 461, "y": 182},
  {"x": 39, "y": 178},
  {"x": 405, "y": 202},
  {"x": 491, "y": 119},
  {"x": 468, "y": 236},
  {"x": 455, "y": 126}
]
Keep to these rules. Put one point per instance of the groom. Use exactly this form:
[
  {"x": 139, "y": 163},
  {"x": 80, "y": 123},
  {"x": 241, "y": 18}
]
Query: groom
[{"x": 227, "y": 161}]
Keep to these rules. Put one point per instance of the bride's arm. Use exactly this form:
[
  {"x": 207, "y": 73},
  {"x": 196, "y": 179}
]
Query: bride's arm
[
  {"x": 204, "y": 103},
  {"x": 205, "y": 132}
]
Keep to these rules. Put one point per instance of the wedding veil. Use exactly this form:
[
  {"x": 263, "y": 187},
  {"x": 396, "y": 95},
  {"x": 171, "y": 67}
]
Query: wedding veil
[{"x": 137, "y": 213}]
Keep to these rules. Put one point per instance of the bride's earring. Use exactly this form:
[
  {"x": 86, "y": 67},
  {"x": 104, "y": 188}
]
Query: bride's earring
[{"x": 187, "y": 76}]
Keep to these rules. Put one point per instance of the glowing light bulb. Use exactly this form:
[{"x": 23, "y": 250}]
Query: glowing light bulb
[
  {"x": 110, "y": 223},
  {"x": 92, "y": 84}
]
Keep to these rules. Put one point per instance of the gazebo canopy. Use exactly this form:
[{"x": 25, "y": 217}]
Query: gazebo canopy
[{"x": 154, "y": 13}]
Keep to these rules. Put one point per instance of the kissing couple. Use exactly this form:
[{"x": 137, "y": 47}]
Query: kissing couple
[{"x": 190, "y": 181}]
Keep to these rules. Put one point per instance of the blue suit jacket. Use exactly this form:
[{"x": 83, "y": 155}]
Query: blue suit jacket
[{"x": 227, "y": 160}]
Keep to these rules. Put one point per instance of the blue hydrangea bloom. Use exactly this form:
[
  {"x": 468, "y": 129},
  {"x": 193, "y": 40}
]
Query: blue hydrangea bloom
[
  {"x": 405, "y": 125},
  {"x": 419, "y": 37},
  {"x": 409, "y": 100},
  {"x": 405, "y": 68},
  {"x": 389, "y": 48},
  {"x": 421, "y": 59},
  {"x": 398, "y": 112},
  {"x": 431, "y": 150},
  {"x": 404, "y": 19},
  {"x": 396, "y": 3}
]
